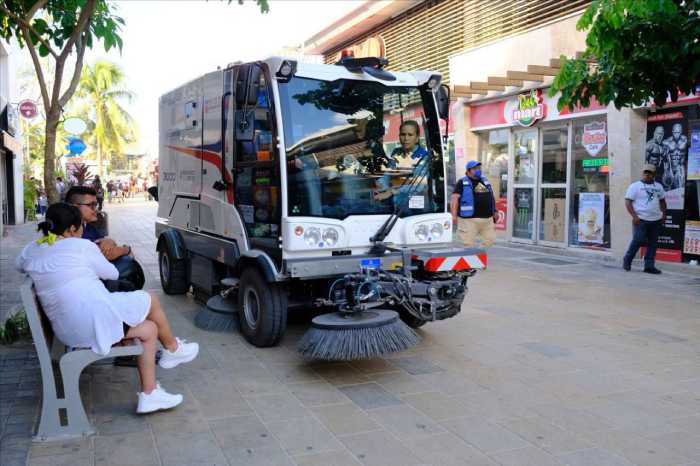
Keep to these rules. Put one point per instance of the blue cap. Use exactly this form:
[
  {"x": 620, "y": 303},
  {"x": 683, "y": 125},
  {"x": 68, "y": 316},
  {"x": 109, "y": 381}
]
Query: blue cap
[{"x": 472, "y": 163}]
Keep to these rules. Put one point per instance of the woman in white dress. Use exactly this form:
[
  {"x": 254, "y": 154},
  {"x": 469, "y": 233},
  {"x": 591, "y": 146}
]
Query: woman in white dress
[{"x": 66, "y": 271}]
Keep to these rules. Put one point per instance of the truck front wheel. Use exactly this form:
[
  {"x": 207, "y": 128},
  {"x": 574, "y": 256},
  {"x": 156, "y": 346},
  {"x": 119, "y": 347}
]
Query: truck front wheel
[
  {"x": 173, "y": 273},
  {"x": 262, "y": 309}
]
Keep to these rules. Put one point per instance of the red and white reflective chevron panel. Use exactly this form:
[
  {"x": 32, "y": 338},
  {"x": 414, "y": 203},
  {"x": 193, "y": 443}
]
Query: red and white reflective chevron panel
[{"x": 456, "y": 263}]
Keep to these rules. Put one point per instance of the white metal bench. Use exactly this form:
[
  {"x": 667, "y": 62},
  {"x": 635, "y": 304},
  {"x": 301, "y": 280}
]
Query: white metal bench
[{"x": 62, "y": 414}]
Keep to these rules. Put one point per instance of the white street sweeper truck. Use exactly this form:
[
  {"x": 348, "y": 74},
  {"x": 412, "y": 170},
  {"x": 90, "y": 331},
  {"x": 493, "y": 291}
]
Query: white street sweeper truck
[{"x": 285, "y": 186}]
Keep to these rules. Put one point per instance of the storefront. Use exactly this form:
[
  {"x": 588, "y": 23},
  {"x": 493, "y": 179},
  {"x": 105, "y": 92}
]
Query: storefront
[
  {"x": 11, "y": 159},
  {"x": 549, "y": 169},
  {"x": 11, "y": 184}
]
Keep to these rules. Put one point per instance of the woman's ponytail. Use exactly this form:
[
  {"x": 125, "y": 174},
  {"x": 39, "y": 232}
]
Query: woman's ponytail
[
  {"x": 59, "y": 218},
  {"x": 45, "y": 227}
]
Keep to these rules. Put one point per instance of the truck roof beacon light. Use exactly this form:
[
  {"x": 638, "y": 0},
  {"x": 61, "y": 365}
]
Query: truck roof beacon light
[
  {"x": 373, "y": 66},
  {"x": 286, "y": 69}
]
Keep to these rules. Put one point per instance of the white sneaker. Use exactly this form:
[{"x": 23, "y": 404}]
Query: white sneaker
[
  {"x": 156, "y": 400},
  {"x": 185, "y": 352}
]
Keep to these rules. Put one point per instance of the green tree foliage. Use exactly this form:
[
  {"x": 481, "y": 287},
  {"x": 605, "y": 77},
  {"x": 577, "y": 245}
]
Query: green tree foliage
[
  {"x": 101, "y": 86},
  {"x": 60, "y": 29},
  {"x": 636, "y": 50}
]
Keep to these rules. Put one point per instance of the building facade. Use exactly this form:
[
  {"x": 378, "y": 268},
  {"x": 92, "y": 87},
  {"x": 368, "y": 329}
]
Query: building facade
[
  {"x": 559, "y": 175},
  {"x": 11, "y": 151}
]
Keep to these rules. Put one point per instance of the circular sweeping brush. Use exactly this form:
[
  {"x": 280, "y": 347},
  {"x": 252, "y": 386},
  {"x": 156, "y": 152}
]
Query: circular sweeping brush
[
  {"x": 341, "y": 336},
  {"x": 219, "y": 315}
]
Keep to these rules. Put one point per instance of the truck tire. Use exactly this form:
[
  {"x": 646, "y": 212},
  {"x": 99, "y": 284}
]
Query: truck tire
[
  {"x": 173, "y": 272},
  {"x": 262, "y": 309}
]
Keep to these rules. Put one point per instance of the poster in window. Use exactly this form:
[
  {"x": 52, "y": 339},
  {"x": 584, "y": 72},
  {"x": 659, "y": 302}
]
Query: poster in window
[
  {"x": 554, "y": 219},
  {"x": 694, "y": 155},
  {"x": 591, "y": 217},
  {"x": 667, "y": 148},
  {"x": 691, "y": 242},
  {"x": 522, "y": 218}
]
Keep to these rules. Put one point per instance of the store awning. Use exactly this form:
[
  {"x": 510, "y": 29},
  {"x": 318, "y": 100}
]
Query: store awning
[{"x": 513, "y": 82}]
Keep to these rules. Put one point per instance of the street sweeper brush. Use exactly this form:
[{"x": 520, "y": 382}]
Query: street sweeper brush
[
  {"x": 341, "y": 336},
  {"x": 220, "y": 313}
]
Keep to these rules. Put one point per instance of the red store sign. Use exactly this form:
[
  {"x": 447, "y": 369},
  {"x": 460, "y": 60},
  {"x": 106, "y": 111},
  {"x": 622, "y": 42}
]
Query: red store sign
[{"x": 523, "y": 110}]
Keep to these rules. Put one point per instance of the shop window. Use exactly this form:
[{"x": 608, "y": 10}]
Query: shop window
[
  {"x": 493, "y": 155},
  {"x": 590, "y": 194}
]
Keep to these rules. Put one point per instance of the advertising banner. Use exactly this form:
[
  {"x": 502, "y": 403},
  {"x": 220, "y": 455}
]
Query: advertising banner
[
  {"x": 667, "y": 149},
  {"x": 591, "y": 215},
  {"x": 691, "y": 242},
  {"x": 595, "y": 137},
  {"x": 522, "y": 216},
  {"x": 502, "y": 211},
  {"x": 694, "y": 155}
]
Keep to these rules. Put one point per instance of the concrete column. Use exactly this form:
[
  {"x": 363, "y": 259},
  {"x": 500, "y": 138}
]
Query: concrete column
[
  {"x": 626, "y": 142},
  {"x": 460, "y": 119}
]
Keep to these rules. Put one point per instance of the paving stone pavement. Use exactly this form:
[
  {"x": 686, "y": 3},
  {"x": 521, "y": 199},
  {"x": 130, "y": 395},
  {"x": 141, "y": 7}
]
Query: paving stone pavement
[{"x": 575, "y": 364}]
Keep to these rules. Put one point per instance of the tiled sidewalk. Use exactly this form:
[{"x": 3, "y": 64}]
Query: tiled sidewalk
[{"x": 568, "y": 364}]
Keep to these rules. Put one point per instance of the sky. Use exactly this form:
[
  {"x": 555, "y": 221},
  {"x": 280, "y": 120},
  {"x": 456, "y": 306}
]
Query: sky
[{"x": 167, "y": 43}]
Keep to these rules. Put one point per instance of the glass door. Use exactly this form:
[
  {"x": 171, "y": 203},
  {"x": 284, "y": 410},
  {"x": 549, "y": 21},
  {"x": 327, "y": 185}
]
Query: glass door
[
  {"x": 552, "y": 188},
  {"x": 524, "y": 184}
]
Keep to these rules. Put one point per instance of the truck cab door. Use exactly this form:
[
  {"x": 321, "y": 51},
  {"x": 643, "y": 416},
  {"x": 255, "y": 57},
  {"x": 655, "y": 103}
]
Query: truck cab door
[{"x": 257, "y": 173}]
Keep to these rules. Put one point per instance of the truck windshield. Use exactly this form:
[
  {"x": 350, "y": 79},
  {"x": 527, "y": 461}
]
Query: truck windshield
[{"x": 360, "y": 148}]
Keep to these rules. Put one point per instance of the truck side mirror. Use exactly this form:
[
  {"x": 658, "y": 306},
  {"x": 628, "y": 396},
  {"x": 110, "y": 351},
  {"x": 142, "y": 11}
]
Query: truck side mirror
[
  {"x": 245, "y": 125},
  {"x": 253, "y": 84},
  {"x": 241, "y": 79},
  {"x": 443, "y": 101},
  {"x": 153, "y": 191}
]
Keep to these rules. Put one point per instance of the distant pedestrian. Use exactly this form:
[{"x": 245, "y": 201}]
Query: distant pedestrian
[
  {"x": 97, "y": 186},
  {"x": 646, "y": 204},
  {"x": 43, "y": 203},
  {"x": 60, "y": 188},
  {"x": 120, "y": 191},
  {"x": 110, "y": 191},
  {"x": 473, "y": 207}
]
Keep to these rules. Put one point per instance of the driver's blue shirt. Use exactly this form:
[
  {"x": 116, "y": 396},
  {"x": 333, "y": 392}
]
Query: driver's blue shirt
[
  {"x": 91, "y": 233},
  {"x": 418, "y": 153},
  {"x": 420, "y": 168}
]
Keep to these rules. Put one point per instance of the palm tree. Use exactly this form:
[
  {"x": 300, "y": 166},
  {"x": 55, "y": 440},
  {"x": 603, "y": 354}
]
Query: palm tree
[{"x": 101, "y": 85}]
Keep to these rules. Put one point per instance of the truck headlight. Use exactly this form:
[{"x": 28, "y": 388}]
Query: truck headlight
[
  {"x": 330, "y": 236},
  {"x": 312, "y": 236},
  {"x": 436, "y": 231},
  {"x": 422, "y": 232}
]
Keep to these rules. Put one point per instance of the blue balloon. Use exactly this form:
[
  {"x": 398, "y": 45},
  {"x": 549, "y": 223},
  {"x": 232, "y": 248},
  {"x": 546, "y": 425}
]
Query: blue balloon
[{"x": 75, "y": 145}]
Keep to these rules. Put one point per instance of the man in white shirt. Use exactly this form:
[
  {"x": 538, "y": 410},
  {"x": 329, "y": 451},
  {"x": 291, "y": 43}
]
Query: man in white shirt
[{"x": 646, "y": 204}]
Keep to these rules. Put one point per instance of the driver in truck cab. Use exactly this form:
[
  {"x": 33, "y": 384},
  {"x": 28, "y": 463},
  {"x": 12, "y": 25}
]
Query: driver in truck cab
[{"x": 408, "y": 156}]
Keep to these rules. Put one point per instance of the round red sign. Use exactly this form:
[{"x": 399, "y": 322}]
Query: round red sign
[{"x": 28, "y": 109}]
